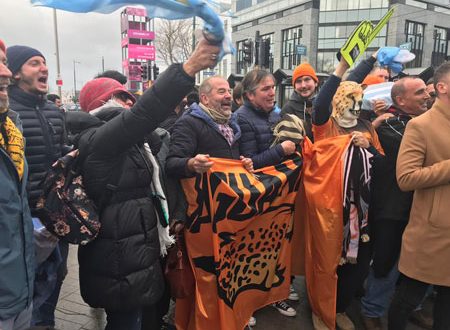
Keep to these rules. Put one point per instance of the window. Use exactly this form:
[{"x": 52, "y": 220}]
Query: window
[
  {"x": 414, "y": 32},
  {"x": 440, "y": 49},
  {"x": 243, "y": 4},
  {"x": 290, "y": 39}
]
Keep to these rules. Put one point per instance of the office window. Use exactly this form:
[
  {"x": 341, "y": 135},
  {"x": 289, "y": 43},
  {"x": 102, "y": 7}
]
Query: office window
[
  {"x": 440, "y": 48},
  {"x": 290, "y": 39},
  {"x": 414, "y": 32},
  {"x": 243, "y": 4}
]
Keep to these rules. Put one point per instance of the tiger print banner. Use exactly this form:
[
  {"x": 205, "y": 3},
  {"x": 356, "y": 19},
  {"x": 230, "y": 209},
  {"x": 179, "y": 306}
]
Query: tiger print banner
[{"x": 238, "y": 242}]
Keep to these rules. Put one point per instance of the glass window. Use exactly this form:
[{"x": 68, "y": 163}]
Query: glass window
[
  {"x": 243, "y": 4},
  {"x": 364, "y": 15},
  {"x": 290, "y": 39},
  {"x": 342, "y": 5},
  {"x": 353, "y": 4},
  {"x": 321, "y": 32},
  {"x": 364, "y": 4},
  {"x": 440, "y": 48},
  {"x": 352, "y": 15},
  {"x": 376, "y": 3},
  {"x": 375, "y": 14},
  {"x": 414, "y": 32}
]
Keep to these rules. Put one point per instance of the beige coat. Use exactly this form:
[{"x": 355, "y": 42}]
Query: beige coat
[{"x": 423, "y": 165}]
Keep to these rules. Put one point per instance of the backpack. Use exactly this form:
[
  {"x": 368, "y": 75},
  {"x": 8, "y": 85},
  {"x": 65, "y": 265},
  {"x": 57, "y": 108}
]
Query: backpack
[{"x": 64, "y": 208}]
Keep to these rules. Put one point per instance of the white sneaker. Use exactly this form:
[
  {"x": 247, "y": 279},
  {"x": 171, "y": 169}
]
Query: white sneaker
[
  {"x": 284, "y": 308},
  {"x": 293, "y": 295},
  {"x": 251, "y": 322}
]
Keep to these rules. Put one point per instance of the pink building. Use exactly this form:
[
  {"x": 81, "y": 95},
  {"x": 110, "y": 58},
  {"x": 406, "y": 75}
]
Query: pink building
[{"x": 138, "y": 50}]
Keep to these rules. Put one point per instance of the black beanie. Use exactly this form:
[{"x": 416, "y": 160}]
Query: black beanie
[{"x": 18, "y": 55}]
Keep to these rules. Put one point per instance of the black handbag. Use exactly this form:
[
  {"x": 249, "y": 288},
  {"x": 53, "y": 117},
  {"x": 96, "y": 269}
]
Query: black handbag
[{"x": 64, "y": 207}]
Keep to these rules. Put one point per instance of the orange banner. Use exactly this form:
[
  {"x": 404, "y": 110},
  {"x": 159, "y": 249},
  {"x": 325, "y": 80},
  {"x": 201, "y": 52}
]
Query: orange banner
[{"x": 238, "y": 242}]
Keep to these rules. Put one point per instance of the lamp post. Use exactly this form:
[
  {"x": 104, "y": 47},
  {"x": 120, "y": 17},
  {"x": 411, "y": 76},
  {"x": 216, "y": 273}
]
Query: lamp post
[
  {"x": 75, "y": 82},
  {"x": 58, "y": 68}
]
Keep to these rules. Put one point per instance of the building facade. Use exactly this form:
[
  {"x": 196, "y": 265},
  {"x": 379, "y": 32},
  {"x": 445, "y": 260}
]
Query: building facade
[
  {"x": 138, "y": 50},
  {"x": 314, "y": 30}
]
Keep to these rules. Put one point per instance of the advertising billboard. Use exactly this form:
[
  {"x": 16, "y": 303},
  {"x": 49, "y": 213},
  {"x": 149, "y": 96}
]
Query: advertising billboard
[
  {"x": 136, "y": 11},
  {"x": 141, "y": 52},
  {"x": 141, "y": 34}
]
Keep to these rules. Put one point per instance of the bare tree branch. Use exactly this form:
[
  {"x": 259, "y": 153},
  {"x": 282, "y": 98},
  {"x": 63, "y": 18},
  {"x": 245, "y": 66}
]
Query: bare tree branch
[{"x": 174, "y": 40}]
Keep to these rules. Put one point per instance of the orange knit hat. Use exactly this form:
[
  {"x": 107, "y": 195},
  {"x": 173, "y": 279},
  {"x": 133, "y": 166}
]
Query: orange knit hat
[
  {"x": 304, "y": 69},
  {"x": 372, "y": 79}
]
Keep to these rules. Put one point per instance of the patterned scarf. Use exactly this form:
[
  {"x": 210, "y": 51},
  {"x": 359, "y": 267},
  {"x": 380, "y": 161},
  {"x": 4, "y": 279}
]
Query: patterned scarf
[
  {"x": 11, "y": 140},
  {"x": 222, "y": 122},
  {"x": 356, "y": 202}
]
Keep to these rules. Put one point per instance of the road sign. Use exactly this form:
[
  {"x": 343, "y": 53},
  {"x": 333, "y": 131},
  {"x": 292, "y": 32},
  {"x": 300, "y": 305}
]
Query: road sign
[
  {"x": 405, "y": 46},
  {"x": 59, "y": 82},
  {"x": 301, "y": 50}
]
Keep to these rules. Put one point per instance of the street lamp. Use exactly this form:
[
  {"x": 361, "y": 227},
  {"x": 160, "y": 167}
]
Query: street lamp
[{"x": 75, "y": 82}]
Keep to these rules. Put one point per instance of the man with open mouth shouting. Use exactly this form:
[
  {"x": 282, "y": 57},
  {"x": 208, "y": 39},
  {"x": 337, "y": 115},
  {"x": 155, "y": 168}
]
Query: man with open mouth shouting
[{"x": 43, "y": 129}]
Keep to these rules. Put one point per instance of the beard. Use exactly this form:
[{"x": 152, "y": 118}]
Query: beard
[{"x": 4, "y": 104}]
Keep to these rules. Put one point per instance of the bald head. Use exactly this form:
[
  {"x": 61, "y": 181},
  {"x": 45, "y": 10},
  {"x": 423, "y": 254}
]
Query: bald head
[{"x": 410, "y": 95}]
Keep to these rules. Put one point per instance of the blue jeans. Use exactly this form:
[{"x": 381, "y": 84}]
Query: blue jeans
[
  {"x": 378, "y": 293},
  {"x": 130, "y": 320},
  {"x": 44, "y": 314}
]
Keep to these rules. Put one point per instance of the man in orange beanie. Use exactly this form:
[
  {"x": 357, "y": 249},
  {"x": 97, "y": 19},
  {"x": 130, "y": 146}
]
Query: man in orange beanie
[{"x": 304, "y": 81}]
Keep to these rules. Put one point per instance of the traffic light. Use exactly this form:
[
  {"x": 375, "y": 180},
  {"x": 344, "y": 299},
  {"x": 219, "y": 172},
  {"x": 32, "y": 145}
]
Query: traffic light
[
  {"x": 247, "y": 49},
  {"x": 264, "y": 53},
  {"x": 155, "y": 72},
  {"x": 144, "y": 73}
]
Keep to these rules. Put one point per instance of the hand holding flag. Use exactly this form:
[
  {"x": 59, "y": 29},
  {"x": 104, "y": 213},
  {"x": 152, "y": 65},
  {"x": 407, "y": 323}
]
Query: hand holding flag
[{"x": 167, "y": 9}]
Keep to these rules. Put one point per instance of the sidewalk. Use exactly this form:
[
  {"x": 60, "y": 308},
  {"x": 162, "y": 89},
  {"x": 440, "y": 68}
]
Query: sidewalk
[{"x": 73, "y": 314}]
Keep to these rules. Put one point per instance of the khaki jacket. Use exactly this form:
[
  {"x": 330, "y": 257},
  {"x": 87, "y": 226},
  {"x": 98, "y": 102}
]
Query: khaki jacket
[{"x": 423, "y": 165}]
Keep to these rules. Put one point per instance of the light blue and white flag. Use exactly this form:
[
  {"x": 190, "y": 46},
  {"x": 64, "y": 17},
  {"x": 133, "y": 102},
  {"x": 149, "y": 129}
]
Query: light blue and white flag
[{"x": 167, "y": 9}]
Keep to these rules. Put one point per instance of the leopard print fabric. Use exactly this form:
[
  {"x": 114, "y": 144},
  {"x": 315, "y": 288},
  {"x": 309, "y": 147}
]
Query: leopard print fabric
[{"x": 346, "y": 97}]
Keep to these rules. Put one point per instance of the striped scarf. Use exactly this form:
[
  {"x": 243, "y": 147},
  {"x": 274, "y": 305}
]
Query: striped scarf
[
  {"x": 11, "y": 140},
  {"x": 356, "y": 202}
]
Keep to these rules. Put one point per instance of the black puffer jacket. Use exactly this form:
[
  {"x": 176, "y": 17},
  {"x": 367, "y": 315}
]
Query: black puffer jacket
[
  {"x": 120, "y": 269},
  {"x": 296, "y": 105},
  {"x": 257, "y": 135},
  {"x": 196, "y": 133},
  {"x": 43, "y": 129}
]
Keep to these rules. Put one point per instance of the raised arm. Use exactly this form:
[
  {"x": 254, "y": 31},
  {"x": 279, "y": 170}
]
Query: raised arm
[
  {"x": 155, "y": 105},
  {"x": 322, "y": 105}
]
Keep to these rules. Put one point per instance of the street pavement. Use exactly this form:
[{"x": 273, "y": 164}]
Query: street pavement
[{"x": 73, "y": 314}]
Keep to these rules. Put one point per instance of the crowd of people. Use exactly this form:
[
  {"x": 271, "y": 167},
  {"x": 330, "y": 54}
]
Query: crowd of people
[{"x": 374, "y": 185}]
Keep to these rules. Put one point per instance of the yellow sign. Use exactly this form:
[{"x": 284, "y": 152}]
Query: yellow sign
[{"x": 361, "y": 38}]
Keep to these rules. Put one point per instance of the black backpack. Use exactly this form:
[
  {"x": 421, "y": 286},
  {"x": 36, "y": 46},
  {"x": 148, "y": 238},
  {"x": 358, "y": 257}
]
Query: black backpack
[{"x": 64, "y": 208}]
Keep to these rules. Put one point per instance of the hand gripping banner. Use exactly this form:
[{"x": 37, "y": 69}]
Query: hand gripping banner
[{"x": 238, "y": 242}]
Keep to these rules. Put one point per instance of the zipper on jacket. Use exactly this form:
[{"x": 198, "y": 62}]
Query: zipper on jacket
[{"x": 45, "y": 133}]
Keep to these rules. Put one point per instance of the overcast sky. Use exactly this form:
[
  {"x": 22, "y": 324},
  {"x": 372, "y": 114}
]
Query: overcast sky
[{"x": 82, "y": 37}]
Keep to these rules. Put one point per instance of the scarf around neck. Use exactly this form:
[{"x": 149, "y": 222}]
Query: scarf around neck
[
  {"x": 11, "y": 140},
  {"x": 216, "y": 115}
]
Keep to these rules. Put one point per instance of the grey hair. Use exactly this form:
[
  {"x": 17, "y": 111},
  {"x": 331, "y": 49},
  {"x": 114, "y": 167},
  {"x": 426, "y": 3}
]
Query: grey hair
[{"x": 252, "y": 79}]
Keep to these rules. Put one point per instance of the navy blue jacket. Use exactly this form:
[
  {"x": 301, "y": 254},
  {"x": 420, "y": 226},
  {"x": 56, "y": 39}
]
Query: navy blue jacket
[
  {"x": 196, "y": 133},
  {"x": 257, "y": 135},
  {"x": 43, "y": 129},
  {"x": 16, "y": 239}
]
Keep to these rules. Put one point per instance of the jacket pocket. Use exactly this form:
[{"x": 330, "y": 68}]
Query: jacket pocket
[{"x": 440, "y": 207}]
